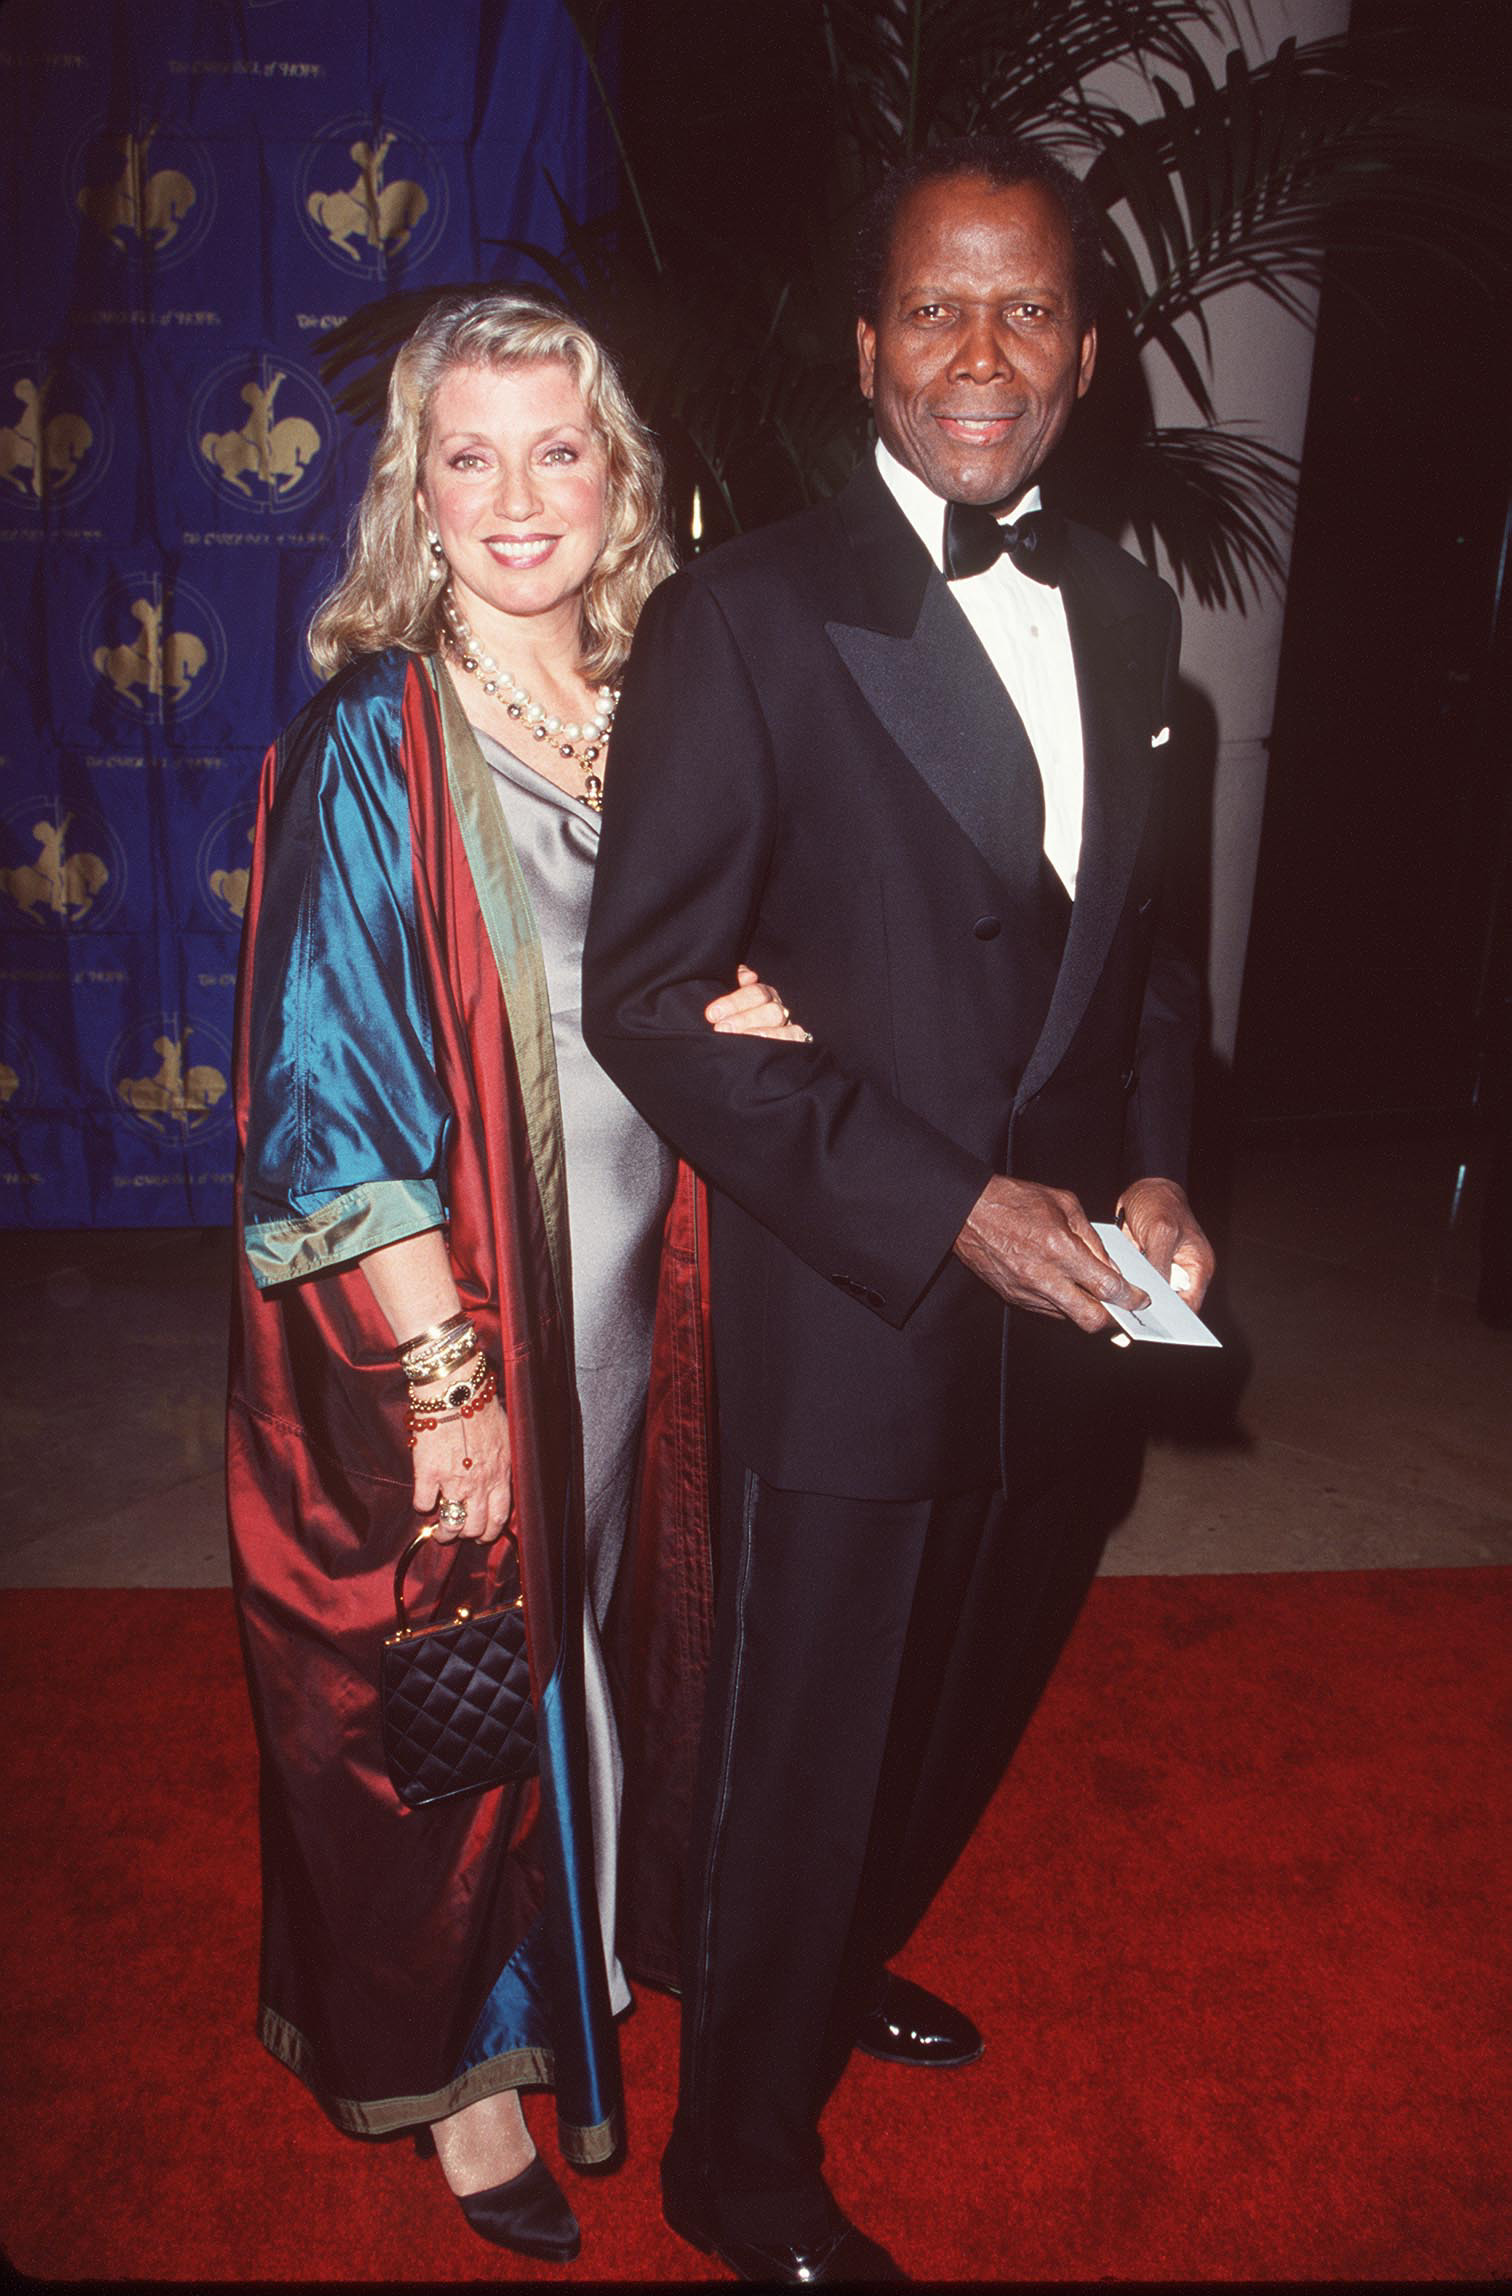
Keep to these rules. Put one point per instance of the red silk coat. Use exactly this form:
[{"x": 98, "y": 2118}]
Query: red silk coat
[{"x": 395, "y": 1073}]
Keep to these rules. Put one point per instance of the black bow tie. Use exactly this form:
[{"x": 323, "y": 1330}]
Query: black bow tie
[{"x": 974, "y": 541}]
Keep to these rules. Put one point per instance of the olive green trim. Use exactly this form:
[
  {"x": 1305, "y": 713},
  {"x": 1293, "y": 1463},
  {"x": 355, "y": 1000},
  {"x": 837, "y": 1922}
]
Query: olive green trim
[
  {"x": 345, "y": 1227},
  {"x": 516, "y": 942},
  {"x": 589, "y": 2148},
  {"x": 381, "y": 2116}
]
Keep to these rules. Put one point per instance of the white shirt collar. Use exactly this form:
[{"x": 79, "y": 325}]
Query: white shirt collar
[{"x": 924, "y": 509}]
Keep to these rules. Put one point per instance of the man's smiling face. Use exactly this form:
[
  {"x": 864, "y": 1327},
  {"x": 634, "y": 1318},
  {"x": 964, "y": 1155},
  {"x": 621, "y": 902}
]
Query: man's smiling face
[{"x": 978, "y": 354}]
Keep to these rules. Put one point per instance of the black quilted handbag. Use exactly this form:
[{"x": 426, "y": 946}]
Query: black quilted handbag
[{"x": 455, "y": 1698}]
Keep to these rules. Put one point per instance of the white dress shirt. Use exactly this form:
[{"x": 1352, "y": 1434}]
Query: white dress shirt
[{"x": 1022, "y": 625}]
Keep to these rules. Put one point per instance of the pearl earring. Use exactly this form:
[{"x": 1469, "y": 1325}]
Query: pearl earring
[{"x": 438, "y": 555}]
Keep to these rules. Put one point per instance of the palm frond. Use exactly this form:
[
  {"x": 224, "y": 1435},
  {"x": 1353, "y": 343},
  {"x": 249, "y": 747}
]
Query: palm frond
[
  {"x": 1220, "y": 506},
  {"x": 1255, "y": 179},
  {"x": 910, "y": 72}
]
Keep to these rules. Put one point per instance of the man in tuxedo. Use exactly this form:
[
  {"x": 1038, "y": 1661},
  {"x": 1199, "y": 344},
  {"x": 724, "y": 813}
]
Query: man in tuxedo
[{"x": 919, "y": 785}]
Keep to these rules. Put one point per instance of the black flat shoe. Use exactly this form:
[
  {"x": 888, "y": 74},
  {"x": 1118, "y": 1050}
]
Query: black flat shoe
[
  {"x": 529, "y": 2214},
  {"x": 907, "y": 2026}
]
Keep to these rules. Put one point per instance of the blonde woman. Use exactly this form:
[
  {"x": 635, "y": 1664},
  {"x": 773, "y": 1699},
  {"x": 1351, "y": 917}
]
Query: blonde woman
[{"x": 439, "y": 1184}]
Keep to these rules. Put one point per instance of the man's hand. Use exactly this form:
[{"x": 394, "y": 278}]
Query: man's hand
[
  {"x": 1035, "y": 1247},
  {"x": 1160, "y": 1220}
]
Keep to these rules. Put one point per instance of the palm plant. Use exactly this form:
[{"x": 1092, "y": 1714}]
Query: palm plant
[{"x": 727, "y": 298}]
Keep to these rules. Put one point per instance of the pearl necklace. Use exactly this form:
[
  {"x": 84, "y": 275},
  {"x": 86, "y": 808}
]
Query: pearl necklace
[{"x": 593, "y": 733}]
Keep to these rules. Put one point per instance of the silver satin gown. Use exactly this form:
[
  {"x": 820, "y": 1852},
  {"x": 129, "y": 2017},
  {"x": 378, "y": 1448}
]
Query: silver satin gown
[{"x": 620, "y": 1178}]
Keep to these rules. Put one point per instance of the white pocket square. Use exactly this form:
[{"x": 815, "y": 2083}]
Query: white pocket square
[{"x": 1157, "y": 738}]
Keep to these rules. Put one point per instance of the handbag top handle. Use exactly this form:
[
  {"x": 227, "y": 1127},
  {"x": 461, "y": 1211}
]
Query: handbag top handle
[{"x": 404, "y": 1629}]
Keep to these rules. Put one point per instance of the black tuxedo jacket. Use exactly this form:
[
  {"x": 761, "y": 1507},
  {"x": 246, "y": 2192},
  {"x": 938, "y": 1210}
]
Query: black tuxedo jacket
[{"x": 807, "y": 776}]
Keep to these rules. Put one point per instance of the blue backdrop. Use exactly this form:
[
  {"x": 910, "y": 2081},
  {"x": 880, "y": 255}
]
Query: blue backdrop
[{"x": 194, "y": 192}]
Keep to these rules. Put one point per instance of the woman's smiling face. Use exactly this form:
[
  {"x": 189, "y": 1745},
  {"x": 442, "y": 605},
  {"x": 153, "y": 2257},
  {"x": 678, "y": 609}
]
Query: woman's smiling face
[{"x": 514, "y": 480}]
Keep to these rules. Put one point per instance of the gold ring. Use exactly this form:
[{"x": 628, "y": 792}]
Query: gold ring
[{"x": 452, "y": 1511}]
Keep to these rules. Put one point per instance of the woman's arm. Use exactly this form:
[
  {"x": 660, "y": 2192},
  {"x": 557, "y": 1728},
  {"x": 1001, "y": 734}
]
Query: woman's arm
[
  {"x": 463, "y": 1459},
  {"x": 347, "y": 1124}
]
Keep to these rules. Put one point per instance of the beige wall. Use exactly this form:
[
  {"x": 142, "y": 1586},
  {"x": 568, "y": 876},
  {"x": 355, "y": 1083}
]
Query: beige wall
[{"x": 1261, "y": 372}]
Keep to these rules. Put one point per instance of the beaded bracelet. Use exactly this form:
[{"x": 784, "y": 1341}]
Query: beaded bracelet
[
  {"x": 458, "y": 1390},
  {"x": 483, "y": 1390}
]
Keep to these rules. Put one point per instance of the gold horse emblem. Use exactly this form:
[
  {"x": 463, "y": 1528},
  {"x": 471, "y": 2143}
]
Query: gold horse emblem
[
  {"x": 61, "y": 884},
  {"x": 382, "y": 215},
  {"x": 169, "y": 669},
  {"x": 40, "y": 452},
  {"x": 10, "y": 1083},
  {"x": 146, "y": 206},
  {"x": 231, "y": 886},
  {"x": 173, "y": 1096},
  {"x": 276, "y": 453}
]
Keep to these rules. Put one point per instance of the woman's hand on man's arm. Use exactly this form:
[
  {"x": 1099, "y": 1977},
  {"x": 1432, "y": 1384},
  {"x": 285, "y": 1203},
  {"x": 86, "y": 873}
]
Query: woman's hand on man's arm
[{"x": 754, "y": 1009}]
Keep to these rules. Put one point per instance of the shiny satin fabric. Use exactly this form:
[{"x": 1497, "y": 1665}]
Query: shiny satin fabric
[
  {"x": 663, "y": 1619},
  {"x": 393, "y": 1069}
]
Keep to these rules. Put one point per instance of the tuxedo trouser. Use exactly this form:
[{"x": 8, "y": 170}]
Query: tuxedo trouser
[{"x": 874, "y": 1662}]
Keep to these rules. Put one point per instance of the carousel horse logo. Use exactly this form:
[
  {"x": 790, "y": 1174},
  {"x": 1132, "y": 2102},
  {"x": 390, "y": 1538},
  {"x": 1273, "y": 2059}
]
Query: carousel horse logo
[
  {"x": 369, "y": 216},
  {"x": 173, "y": 659},
  {"x": 269, "y": 458},
  {"x": 382, "y": 215},
  {"x": 224, "y": 863},
  {"x": 40, "y": 452},
  {"x": 136, "y": 204},
  {"x": 167, "y": 1091},
  {"x": 63, "y": 866},
  {"x": 231, "y": 886},
  {"x": 59, "y": 883},
  {"x": 173, "y": 1095},
  {"x": 157, "y": 667}
]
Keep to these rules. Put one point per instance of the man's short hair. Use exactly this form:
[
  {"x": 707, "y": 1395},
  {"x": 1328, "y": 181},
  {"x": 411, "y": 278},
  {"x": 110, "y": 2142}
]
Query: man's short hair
[{"x": 1003, "y": 161}]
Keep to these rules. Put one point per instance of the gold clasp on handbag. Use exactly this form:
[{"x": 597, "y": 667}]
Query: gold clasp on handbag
[{"x": 404, "y": 1630}]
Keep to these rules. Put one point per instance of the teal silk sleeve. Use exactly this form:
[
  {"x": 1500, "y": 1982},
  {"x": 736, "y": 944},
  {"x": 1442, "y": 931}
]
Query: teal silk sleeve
[{"x": 347, "y": 1123}]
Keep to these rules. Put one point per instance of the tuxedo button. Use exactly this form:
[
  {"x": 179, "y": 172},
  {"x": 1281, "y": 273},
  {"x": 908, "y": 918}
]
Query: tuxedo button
[{"x": 987, "y": 928}]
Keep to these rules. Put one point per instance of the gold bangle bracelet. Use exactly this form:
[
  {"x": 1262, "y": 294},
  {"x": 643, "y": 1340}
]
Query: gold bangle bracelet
[
  {"x": 437, "y": 1332},
  {"x": 437, "y": 1361}
]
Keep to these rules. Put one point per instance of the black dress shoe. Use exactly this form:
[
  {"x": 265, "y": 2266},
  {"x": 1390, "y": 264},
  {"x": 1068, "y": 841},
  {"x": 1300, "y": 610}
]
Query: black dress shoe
[
  {"x": 844, "y": 2258},
  {"x": 907, "y": 2026},
  {"x": 839, "y": 2254}
]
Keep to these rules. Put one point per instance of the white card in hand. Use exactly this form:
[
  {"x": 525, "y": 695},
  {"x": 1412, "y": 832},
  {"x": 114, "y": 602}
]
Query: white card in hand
[{"x": 1167, "y": 1318}]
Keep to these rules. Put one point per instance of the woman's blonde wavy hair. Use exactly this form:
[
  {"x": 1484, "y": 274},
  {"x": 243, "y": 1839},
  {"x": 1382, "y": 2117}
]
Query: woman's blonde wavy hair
[{"x": 387, "y": 593}]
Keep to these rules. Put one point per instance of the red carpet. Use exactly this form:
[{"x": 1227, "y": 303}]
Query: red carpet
[{"x": 1235, "y": 1928}]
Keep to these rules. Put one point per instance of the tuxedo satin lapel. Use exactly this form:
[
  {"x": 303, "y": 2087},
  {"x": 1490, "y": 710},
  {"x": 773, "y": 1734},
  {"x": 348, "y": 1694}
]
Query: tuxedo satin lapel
[
  {"x": 923, "y": 672},
  {"x": 1113, "y": 692},
  {"x": 889, "y": 564},
  {"x": 940, "y": 699}
]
